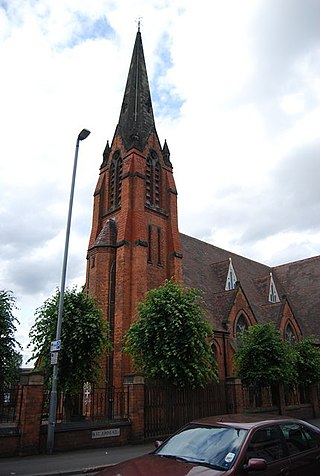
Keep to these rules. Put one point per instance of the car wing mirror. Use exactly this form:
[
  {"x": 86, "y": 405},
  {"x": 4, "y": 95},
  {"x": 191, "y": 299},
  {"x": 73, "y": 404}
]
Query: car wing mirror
[
  {"x": 255, "y": 464},
  {"x": 158, "y": 443}
]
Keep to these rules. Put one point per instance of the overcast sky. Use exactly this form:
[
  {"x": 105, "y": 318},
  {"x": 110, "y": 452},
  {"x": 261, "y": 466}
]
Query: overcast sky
[{"x": 235, "y": 86}]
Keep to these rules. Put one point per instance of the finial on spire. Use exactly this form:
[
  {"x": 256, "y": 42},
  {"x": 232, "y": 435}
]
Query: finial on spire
[{"x": 138, "y": 21}]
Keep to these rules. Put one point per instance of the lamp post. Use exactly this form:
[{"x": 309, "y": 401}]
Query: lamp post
[{"x": 53, "y": 395}]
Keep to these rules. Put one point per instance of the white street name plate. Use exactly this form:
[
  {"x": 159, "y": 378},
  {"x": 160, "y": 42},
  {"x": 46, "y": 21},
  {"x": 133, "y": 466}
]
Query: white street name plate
[
  {"x": 55, "y": 345},
  {"x": 106, "y": 433}
]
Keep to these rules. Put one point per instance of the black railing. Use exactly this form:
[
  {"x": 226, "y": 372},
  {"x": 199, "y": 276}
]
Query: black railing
[
  {"x": 168, "y": 407},
  {"x": 91, "y": 404},
  {"x": 10, "y": 404}
]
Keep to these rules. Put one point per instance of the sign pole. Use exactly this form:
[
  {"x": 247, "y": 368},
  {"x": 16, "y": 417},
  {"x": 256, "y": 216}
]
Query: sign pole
[{"x": 53, "y": 395}]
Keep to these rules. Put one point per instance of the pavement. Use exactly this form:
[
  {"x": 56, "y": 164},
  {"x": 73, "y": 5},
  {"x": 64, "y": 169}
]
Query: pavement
[
  {"x": 76, "y": 462},
  {"x": 71, "y": 462}
]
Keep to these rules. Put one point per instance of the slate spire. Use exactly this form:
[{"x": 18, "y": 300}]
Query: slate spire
[{"x": 136, "y": 121}]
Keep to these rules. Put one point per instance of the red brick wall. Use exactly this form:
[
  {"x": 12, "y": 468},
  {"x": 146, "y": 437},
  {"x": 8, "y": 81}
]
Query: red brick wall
[
  {"x": 31, "y": 411},
  {"x": 134, "y": 274},
  {"x": 67, "y": 438}
]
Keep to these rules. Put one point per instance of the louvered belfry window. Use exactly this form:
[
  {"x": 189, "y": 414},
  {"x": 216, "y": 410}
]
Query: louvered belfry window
[
  {"x": 149, "y": 181},
  {"x": 153, "y": 179},
  {"x": 115, "y": 181},
  {"x": 157, "y": 184},
  {"x": 118, "y": 182}
]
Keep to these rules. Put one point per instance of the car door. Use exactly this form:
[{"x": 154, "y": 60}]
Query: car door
[
  {"x": 267, "y": 443},
  {"x": 304, "y": 449}
]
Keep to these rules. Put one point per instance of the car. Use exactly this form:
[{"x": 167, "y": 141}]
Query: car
[{"x": 231, "y": 445}]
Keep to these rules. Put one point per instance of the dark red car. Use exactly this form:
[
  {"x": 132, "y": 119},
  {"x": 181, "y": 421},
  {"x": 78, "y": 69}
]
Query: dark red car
[{"x": 231, "y": 445}]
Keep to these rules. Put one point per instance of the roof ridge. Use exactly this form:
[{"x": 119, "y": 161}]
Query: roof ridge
[{"x": 298, "y": 261}]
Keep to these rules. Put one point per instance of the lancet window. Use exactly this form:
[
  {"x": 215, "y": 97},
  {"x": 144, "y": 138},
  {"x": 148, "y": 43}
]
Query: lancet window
[
  {"x": 115, "y": 181},
  {"x": 153, "y": 180},
  {"x": 289, "y": 334},
  {"x": 241, "y": 326}
]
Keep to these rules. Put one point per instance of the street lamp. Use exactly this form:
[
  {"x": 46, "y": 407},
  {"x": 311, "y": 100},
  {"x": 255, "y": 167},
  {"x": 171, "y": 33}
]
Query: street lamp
[{"x": 53, "y": 395}]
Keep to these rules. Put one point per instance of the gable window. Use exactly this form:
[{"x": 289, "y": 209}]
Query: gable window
[
  {"x": 115, "y": 181},
  {"x": 231, "y": 277},
  {"x": 273, "y": 294},
  {"x": 289, "y": 334},
  {"x": 241, "y": 326},
  {"x": 153, "y": 180}
]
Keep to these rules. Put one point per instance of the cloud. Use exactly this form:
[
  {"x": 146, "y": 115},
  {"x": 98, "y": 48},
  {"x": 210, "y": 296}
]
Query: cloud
[{"x": 236, "y": 94}]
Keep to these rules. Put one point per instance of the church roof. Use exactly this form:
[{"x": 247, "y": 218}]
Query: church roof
[
  {"x": 206, "y": 266},
  {"x": 136, "y": 121},
  {"x": 300, "y": 281}
]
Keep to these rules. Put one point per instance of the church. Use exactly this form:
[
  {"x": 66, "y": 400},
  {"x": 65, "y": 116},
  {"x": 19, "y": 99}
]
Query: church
[{"x": 135, "y": 245}]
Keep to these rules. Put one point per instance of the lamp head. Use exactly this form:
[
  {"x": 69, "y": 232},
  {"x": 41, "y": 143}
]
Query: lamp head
[{"x": 83, "y": 134}]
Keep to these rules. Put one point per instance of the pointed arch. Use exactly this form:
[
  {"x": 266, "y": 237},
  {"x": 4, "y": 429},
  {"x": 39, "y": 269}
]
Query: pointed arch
[
  {"x": 290, "y": 333},
  {"x": 118, "y": 183},
  {"x": 153, "y": 181},
  {"x": 241, "y": 324},
  {"x": 273, "y": 293},
  {"x": 149, "y": 181},
  {"x": 115, "y": 181},
  {"x": 157, "y": 175},
  {"x": 231, "y": 277}
]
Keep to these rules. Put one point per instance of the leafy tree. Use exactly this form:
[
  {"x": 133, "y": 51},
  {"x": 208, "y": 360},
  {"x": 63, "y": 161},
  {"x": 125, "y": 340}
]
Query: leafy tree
[
  {"x": 10, "y": 358},
  {"x": 84, "y": 339},
  {"x": 169, "y": 339},
  {"x": 307, "y": 361},
  {"x": 263, "y": 358}
]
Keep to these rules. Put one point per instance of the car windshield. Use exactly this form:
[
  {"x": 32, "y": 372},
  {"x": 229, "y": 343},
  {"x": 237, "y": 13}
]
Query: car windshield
[{"x": 209, "y": 445}]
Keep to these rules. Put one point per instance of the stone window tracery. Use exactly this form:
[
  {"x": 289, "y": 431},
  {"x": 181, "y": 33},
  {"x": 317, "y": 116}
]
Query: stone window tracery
[{"x": 241, "y": 326}]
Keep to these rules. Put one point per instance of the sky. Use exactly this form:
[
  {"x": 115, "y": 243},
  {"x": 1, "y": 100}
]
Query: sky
[{"x": 235, "y": 86}]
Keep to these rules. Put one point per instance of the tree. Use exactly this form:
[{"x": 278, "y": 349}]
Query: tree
[
  {"x": 307, "y": 361},
  {"x": 10, "y": 358},
  {"x": 263, "y": 358},
  {"x": 169, "y": 339},
  {"x": 84, "y": 339}
]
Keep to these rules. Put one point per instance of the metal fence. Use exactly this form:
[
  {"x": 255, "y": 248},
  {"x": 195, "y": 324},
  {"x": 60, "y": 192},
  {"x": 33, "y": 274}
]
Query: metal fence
[
  {"x": 91, "y": 404},
  {"x": 10, "y": 404},
  {"x": 267, "y": 398},
  {"x": 168, "y": 407}
]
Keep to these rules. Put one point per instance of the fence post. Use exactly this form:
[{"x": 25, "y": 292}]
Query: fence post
[
  {"x": 31, "y": 411},
  {"x": 314, "y": 399},
  {"x": 282, "y": 400},
  {"x": 234, "y": 393},
  {"x": 135, "y": 386}
]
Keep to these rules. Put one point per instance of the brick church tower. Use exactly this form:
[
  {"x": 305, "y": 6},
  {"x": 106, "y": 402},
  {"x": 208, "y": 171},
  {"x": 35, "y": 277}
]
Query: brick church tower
[{"x": 134, "y": 244}]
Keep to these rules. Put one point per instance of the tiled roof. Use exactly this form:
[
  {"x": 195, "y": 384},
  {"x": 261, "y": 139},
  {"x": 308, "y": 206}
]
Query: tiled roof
[
  {"x": 205, "y": 266},
  {"x": 301, "y": 282}
]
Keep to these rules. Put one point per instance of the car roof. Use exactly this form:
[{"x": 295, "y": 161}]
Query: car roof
[{"x": 246, "y": 421}]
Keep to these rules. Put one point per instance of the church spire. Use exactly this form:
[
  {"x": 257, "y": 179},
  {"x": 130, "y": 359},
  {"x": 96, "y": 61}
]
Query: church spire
[{"x": 136, "y": 121}]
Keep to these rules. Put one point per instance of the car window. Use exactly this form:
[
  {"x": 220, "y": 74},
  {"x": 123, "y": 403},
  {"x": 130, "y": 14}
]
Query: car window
[
  {"x": 299, "y": 438},
  {"x": 215, "y": 446},
  {"x": 266, "y": 444},
  {"x": 312, "y": 437}
]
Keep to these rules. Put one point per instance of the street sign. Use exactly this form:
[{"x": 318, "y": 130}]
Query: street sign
[
  {"x": 54, "y": 358},
  {"x": 55, "y": 345}
]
